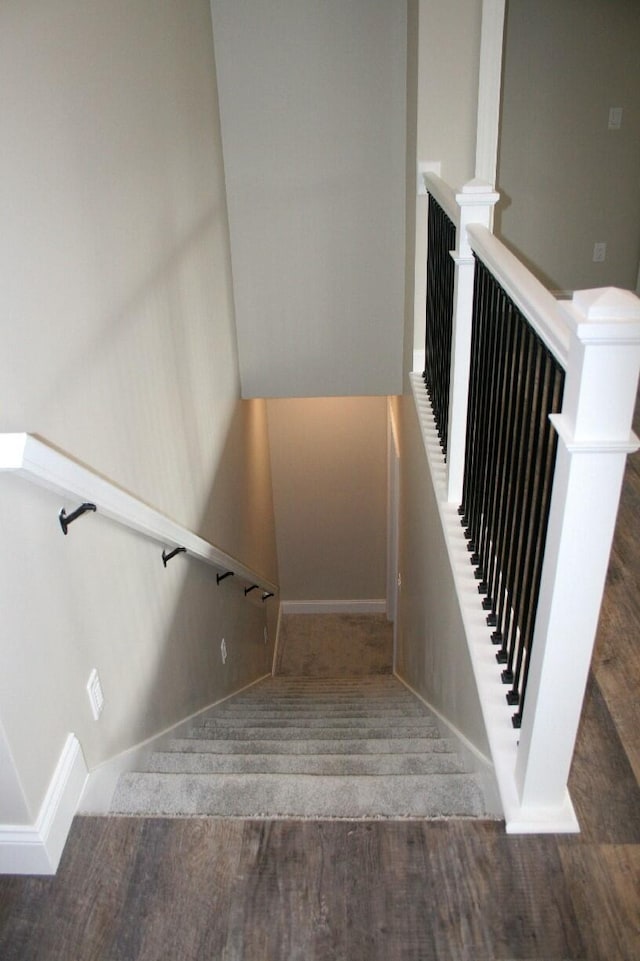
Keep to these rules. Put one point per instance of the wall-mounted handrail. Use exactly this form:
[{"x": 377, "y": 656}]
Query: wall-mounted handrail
[
  {"x": 444, "y": 194},
  {"x": 37, "y": 461}
]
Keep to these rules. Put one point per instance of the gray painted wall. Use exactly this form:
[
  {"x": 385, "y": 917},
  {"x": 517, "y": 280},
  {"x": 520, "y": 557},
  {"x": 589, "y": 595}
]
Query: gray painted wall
[
  {"x": 329, "y": 468},
  {"x": 442, "y": 100},
  {"x": 432, "y": 652},
  {"x": 118, "y": 346},
  {"x": 567, "y": 180},
  {"x": 312, "y": 100}
]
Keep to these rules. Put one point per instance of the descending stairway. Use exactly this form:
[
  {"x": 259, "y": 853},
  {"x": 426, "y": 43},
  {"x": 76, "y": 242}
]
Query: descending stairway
[{"x": 308, "y": 748}]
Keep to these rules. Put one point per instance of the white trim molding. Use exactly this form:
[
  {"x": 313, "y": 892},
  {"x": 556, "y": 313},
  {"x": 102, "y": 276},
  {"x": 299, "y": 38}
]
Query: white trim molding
[
  {"x": 370, "y": 606},
  {"x": 489, "y": 89},
  {"x": 37, "y": 848}
]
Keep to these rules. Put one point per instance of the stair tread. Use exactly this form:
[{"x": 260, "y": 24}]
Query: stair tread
[
  {"x": 319, "y": 746},
  {"x": 301, "y": 795},
  {"x": 308, "y": 747},
  {"x": 386, "y": 764}
]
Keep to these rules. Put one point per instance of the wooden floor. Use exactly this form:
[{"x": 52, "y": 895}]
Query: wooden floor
[{"x": 241, "y": 891}]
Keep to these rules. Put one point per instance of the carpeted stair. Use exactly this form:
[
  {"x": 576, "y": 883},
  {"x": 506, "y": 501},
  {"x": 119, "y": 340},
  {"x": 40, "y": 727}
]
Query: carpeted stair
[{"x": 308, "y": 748}]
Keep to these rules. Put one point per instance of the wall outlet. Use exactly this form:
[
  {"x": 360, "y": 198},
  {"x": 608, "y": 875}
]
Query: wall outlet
[
  {"x": 599, "y": 252},
  {"x": 96, "y": 697},
  {"x": 615, "y": 118},
  {"x": 223, "y": 651}
]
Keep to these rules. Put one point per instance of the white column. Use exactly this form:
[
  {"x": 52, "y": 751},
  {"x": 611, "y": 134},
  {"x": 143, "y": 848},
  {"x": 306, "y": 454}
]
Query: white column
[
  {"x": 489, "y": 88},
  {"x": 594, "y": 439},
  {"x": 475, "y": 200}
]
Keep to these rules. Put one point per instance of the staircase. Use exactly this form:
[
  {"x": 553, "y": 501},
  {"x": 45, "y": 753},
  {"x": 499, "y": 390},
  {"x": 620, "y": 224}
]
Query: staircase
[{"x": 308, "y": 747}]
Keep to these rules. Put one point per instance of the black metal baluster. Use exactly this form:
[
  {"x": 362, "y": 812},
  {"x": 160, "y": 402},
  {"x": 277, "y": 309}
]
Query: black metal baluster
[
  {"x": 508, "y": 622},
  {"x": 514, "y": 383},
  {"x": 476, "y": 480},
  {"x": 525, "y": 599},
  {"x": 526, "y": 534},
  {"x": 503, "y": 457},
  {"x": 496, "y": 373},
  {"x": 469, "y": 490},
  {"x": 487, "y": 427},
  {"x": 547, "y": 460},
  {"x": 439, "y": 316},
  {"x": 502, "y": 611}
]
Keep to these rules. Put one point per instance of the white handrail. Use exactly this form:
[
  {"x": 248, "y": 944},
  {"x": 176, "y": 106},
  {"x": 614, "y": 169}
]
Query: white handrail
[
  {"x": 530, "y": 296},
  {"x": 39, "y": 462},
  {"x": 444, "y": 195}
]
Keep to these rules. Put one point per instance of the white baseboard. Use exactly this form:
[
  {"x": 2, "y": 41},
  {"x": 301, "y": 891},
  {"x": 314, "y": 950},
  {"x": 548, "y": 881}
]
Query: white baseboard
[
  {"x": 37, "y": 848},
  {"x": 102, "y": 781},
  {"x": 372, "y": 606},
  {"x": 473, "y": 756}
]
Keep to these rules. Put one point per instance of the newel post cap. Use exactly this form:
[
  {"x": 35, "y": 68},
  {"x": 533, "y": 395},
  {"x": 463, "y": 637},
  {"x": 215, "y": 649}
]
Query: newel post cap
[
  {"x": 604, "y": 315},
  {"x": 477, "y": 191},
  {"x": 476, "y": 200}
]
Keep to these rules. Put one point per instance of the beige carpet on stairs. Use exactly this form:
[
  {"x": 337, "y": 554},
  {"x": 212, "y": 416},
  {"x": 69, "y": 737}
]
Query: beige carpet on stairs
[{"x": 333, "y": 735}]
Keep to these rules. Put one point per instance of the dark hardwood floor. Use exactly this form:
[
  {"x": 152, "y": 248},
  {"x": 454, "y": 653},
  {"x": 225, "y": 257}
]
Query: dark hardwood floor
[{"x": 149, "y": 889}]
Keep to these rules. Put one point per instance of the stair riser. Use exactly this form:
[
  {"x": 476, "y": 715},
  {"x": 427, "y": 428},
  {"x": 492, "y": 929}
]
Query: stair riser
[
  {"x": 304, "y": 746},
  {"x": 286, "y": 723},
  {"x": 387, "y": 765},
  {"x": 310, "y": 733},
  {"x": 324, "y": 710},
  {"x": 330, "y": 704}
]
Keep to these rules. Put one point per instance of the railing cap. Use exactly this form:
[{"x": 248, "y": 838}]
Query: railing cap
[
  {"x": 604, "y": 315},
  {"x": 477, "y": 191}
]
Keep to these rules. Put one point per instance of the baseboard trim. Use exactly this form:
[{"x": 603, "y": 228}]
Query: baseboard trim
[
  {"x": 481, "y": 764},
  {"x": 451, "y": 729},
  {"x": 102, "y": 781},
  {"x": 369, "y": 606},
  {"x": 37, "y": 848}
]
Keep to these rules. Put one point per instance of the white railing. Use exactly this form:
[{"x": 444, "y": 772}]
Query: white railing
[
  {"x": 39, "y": 462},
  {"x": 596, "y": 338}
]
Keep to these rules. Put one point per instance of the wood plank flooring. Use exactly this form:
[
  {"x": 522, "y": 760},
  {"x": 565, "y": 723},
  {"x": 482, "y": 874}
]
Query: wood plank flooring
[
  {"x": 207, "y": 889},
  {"x": 187, "y": 889}
]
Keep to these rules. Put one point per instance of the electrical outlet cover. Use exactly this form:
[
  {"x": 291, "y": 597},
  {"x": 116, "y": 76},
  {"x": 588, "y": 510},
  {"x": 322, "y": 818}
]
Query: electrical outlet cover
[
  {"x": 599, "y": 252},
  {"x": 96, "y": 697}
]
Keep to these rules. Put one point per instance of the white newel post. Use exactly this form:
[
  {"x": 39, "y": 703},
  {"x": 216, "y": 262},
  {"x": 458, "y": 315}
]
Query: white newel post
[
  {"x": 594, "y": 439},
  {"x": 476, "y": 201}
]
